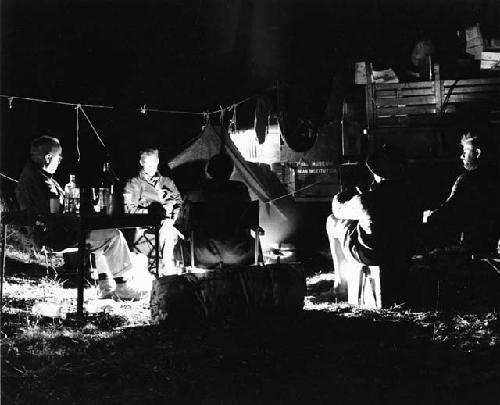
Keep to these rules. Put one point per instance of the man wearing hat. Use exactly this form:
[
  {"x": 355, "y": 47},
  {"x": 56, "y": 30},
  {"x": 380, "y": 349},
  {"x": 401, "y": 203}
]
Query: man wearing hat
[{"x": 375, "y": 227}]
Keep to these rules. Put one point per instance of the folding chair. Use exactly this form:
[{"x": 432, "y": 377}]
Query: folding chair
[
  {"x": 210, "y": 219},
  {"x": 144, "y": 242}
]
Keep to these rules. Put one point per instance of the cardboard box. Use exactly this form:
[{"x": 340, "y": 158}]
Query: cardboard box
[
  {"x": 490, "y": 60},
  {"x": 475, "y": 43},
  {"x": 384, "y": 76},
  {"x": 476, "y": 51},
  {"x": 494, "y": 44},
  {"x": 472, "y": 32},
  {"x": 360, "y": 73}
]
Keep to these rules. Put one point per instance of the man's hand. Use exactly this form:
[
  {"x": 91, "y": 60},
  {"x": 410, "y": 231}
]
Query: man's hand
[
  {"x": 426, "y": 215},
  {"x": 346, "y": 195}
]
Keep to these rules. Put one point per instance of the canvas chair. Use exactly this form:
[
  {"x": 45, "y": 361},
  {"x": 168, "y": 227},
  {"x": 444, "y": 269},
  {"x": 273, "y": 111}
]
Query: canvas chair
[
  {"x": 69, "y": 255},
  {"x": 207, "y": 218},
  {"x": 144, "y": 242}
]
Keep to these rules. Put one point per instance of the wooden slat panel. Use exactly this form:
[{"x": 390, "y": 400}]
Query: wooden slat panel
[
  {"x": 405, "y": 92},
  {"x": 476, "y": 89},
  {"x": 405, "y": 110},
  {"x": 412, "y": 85},
  {"x": 406, "y": 121},
  {"x": 467, "y": 82},
  {"x": 381, "y": 102},
  {"x": 415, "y": 119},
  {"x": 471, "y": 98},
  {"x": 419, "y": 101}
]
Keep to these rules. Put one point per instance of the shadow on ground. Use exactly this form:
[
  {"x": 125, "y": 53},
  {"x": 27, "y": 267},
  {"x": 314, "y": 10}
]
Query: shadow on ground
[
  {"x": 313, "y": 357},
  {"x": 334, "y": 355}
]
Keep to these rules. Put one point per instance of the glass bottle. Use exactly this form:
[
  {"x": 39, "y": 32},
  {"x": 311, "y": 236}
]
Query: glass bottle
[
  {"x": 106, "y": 190},
  {"x": 71, "y": 196}
]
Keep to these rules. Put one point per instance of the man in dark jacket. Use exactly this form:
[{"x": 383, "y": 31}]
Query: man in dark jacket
[
  {"x": 225, "y": 242},
  {"x": 470, "y": 215},
  {"x": 375, "y": 227}
]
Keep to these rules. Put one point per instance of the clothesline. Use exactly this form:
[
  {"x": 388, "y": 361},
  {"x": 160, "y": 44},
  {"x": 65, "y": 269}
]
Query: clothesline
[
  {"x": 9, "y": 178},
  {"x": 294, "y": 192},
  {"x": 39, "y": 100},
  {"x": 79, "y": 107},
  {"x": 142, "y": 109}
]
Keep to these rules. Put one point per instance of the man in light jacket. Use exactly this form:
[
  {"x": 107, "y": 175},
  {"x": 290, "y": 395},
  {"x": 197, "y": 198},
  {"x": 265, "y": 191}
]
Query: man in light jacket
[{"x": 151, "y": 192}]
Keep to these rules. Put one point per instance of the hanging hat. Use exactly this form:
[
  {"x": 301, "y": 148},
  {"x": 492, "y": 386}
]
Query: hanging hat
[{"x": 387, "y": 162}]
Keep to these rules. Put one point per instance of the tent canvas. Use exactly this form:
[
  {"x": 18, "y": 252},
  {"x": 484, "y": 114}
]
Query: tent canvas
[{"x": 276, "y": 205}]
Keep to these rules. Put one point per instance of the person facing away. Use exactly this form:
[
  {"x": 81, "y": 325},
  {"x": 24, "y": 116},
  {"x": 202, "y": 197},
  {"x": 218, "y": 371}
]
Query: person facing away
[
  {"x": 151, "y": 192},
  {"x": 471, "y": 211},
  {"x": 225, "y": 243},
  {"x": 39, "y": 193},
  {"x": 375, "y": 227}
]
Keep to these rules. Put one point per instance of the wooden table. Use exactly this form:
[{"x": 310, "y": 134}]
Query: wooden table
[{"x": 82, "y": 224}]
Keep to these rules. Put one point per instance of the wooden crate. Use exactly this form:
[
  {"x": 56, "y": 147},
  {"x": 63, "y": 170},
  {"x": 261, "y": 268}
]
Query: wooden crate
[{"x": 429, "y": 103}]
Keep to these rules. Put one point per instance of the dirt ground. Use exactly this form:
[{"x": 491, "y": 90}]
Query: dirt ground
[{"x": 328, "y": 353}]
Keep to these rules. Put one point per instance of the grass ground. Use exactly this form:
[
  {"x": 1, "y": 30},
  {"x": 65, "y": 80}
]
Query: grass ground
[{"x": 328, "y": 353}]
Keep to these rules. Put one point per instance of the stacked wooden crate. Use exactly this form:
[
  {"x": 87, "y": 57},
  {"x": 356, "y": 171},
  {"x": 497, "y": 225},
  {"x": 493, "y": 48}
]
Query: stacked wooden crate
[
  {"x": 428, "y": 102},
  {"x": 422, "y": 116}
]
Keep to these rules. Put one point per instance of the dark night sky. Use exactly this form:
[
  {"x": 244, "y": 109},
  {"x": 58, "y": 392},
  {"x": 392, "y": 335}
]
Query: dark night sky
[{"x": 189, "y": 55}]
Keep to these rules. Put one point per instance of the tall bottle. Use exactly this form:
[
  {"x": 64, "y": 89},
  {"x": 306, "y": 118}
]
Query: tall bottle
[
  {"x": 106, "y": 190},
  {"x": 71, "y": 196}
]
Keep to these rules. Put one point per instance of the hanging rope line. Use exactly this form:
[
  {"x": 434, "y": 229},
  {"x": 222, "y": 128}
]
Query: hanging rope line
[
  {"x": 9, "y": 178},
  {"x": 40, "y": 100},
  {"x": 142, "y": 109},
  {"x": 294, "y": 192},
  {"x": 92, "y": 126},
  {"x": 77, "y": 108}
]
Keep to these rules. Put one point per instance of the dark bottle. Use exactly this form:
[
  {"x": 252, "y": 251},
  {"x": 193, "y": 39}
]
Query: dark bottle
[{"x": 106, "y": 190}]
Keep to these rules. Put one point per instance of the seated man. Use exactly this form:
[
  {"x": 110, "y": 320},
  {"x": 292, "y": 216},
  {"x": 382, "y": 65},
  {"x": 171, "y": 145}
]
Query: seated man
[
  {"x": 470, "y": 215},
  {"x": 39, "y": 193},
  {"x": 224, "y": 245},
  {"x": 152, "y": 192},
  {"x": 375, "y": 227}
]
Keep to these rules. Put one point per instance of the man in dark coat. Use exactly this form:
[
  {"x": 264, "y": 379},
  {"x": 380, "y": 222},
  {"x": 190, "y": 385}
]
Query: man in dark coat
[
  {"x": 225, "y": 242},
  {"x": 470, "y": 215},
  {"x": 375, "y": 227}
]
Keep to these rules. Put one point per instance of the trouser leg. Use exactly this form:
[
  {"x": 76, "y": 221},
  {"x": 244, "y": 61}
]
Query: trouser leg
[
  {"x": 112, "y": 253},
  {"x": 168, "y": 240},
  {"x": 346, "y": 267},
  {"x": 336, "y": 230}
]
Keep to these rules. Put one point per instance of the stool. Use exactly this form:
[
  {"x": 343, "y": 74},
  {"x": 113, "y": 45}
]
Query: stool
[{"x": 363, "y": 286}]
